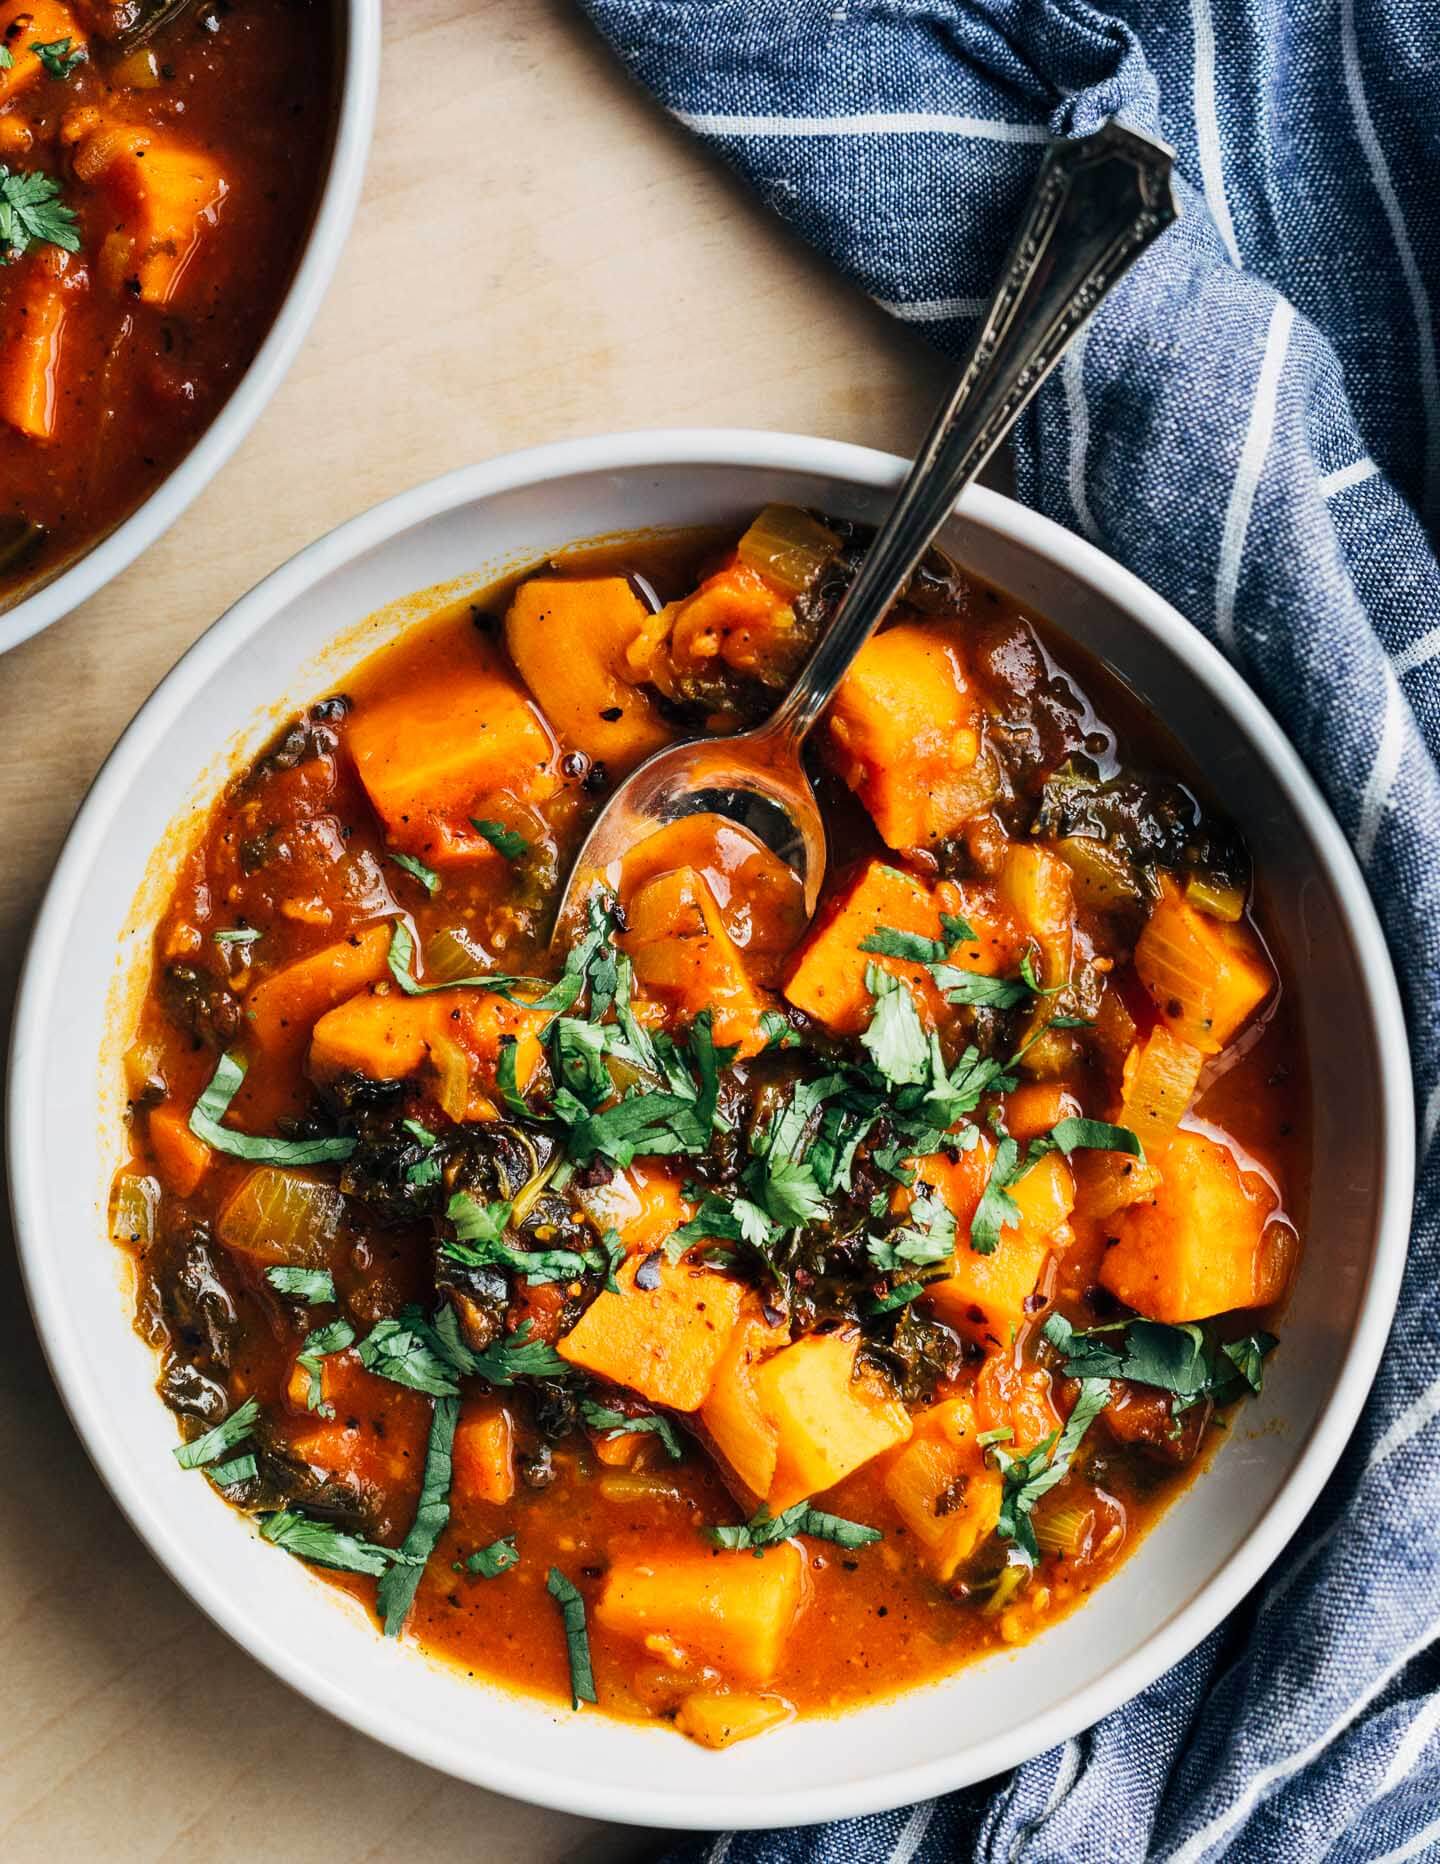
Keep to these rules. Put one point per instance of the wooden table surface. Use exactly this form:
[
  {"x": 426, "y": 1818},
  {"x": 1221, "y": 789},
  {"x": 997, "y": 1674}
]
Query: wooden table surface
[{"x": 539, "y": 253}]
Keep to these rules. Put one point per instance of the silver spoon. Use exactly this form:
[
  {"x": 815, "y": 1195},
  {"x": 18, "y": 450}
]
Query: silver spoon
[{"x": 1096, "y": 205}]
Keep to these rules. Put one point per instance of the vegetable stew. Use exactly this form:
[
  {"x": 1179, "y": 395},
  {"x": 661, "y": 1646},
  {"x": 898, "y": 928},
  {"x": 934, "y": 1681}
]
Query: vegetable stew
[
  {"x": 736, "y": 1317},
  {"x": 159, "y": 164}
]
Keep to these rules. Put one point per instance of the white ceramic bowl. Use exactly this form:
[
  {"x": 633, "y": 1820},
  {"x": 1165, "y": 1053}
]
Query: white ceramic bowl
[
  {"x": 356, "y": 83},
  {"x": 293, "y": 638}
]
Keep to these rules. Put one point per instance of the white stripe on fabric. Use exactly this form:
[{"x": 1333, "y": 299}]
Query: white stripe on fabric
[
  {"x": 1427, "y": 370},
  {"x": 1412, "y": 1847},
  {"x": 1376, "y": 799},
  {"x": 1072, "y": 373},
  {"x": 1252, "y": 464},
  {"x": 1418, "y": 652},
  {"x": 1430, "y": 1122},
  {"x": 720, "y": 1850},
  {"x": 1417, "y": 1738},
  {"x": 931, "y": 310},
  {"x": 913, "y": 1836},
  {"x": 868, "y": 123},
  {"x": 1356, "y": 473},
  {"x": 1207, "y": 126},
  {"x": 1279, "y": 1770}
]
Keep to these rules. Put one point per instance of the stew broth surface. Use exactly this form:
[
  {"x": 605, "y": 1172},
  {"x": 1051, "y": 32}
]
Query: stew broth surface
[{"x": 296, "y": 853}]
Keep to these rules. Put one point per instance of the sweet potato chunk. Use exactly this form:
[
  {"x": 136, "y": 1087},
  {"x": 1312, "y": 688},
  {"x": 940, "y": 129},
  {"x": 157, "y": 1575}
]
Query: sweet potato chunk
[
  {"x": 180, "y": 1158},
  {"x": 1015, "y": 1398},
  {"x": 942, "y": 1488},
  {"x": 747, "y": 1439},
  {"x": 284, "y": 1007},
  {"x": 167, "y": 198},
  {"x": 484, "y": 1452},
  {"x": 1207, "y": 977},
  {"x": 1036, "y": 887},
  {"x": 388, "y": 1037},
  {"x": 38, "y": 22},
  {"x": 460, "y": 742},
  {"x": 718, "y": 1718},
  {"x": 684, "y": 958},
  {"x": 737, "y": 617},
  {"x": 904, "y": 733},
  {"x": 827, "y": 979},
  {"x": 643, "y": 1204},
  {"x": 1203, "y": 1242},
  {"x": 726, "y": 1609},
  {"x": 985, "y": 1296},
  {"x": 828, "y": 1421},
  {"x": 580, "y": 646},
  {"x": 34, "y": 334},
  {"x": 664, "y": 1342},
  {"x": 760, "y": 900}
]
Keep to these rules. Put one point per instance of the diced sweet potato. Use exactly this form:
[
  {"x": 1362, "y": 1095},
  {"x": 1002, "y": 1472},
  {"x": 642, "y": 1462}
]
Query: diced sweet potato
[
  {"x": 1015, "y": 1398},
  {"x": 985, "y": 1296},
  {"x": 942, "y": 1488},
  {"x": 371, "y": 1437},
  {"x": 760, "y": 900},
  {"x": 484, "y": 1453},
  {"x": 388, "y": 1037},
  {"x": 718, "y": 1718},
  {"x": 167, "y": 197},
  {"x": 38, "y": 22},
  {"x": 180, "y": 1158},
  {"x": 747, "y": 1439},
  {"x": 829, "y": 1421},
  {"x": 685, "y": 959},
  {"x": 34, "y": 333},
  {"x": 581, "y": 645},
  {"x": 904, "y": 733},
  {"x": 726, "y": 1609},
  {"x": 1206, "y": 977},
  {"x": 1037, "y": 888},
  {"x": 1203, "y": 1242},
  {"x": 1035, "y": 1108},
  {"x": 643, "y": 1204},
  {"x": 827, "y": 979},
  {"x": 737, "y": 617},
  {"x": 283, "y": 1008},
  {"x": 664, "y": 1342},
  {"x": 460, "y": 741}
]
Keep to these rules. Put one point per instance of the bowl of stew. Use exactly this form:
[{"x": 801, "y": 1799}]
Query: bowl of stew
[
  {"x": 678, "y": 1374},
  {"x": 174, "y": 197}
]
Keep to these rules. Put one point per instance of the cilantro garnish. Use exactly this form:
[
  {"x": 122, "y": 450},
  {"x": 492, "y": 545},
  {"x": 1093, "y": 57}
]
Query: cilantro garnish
[
  {"x": 397, "y": 1588},
  {"x": 997, "y": 1210},
  {"x": 490, "y": 1562},
  {"x": 763, "y": 1530},
  {"x": 238, "y": 935},
  {"x": 1025, "y": 1479},
  {"x": 57, "y": 57},
  {"x": 926, "y": 1237},
  {"x": 417, "y": 870},
  {"x": 323, "y": 1545},
  {"x": 33, "y": 214},
  {"x": 503, "y": 840},
  {"x": 230, "y": 1475},
  {"x": 401, "y": 961},
  {"x": 479, "y": 1242},
  {"x": 224, "y": 1436},
  {"x": 211, "y": 1107},
  {"x": 315, "y": 1287},
  {"x": 519, "y": 1357},
  {"x": 405, "y": 1351},
  {"x": 577, "y": 1641},
  {"x": 318, "y": 1345},
  {"x": 1180, "y": 1359},
  {"x": 895, "y": 1038},
  {"x": 617, "y": 1424}
]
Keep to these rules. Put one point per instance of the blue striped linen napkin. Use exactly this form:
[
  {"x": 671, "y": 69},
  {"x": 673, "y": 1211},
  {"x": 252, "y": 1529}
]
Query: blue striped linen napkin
[{"x": 1253, "y": 426}]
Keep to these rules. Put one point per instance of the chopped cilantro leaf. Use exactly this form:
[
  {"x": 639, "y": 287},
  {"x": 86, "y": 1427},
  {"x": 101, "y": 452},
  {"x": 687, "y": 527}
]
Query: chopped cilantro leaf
[
  {"x": 763, "y": 1530},
  {"x": 895, "y": 1038},
  {"x": 57, "y": 58},
  {"x": 230, "y": 1475},
  {"x": 312, "y": 1286},
  {"x": 417, "y": 870},
  {"x": 33, "y": 214},
  {"x": 617, "y": 1424},
  {"x": 323, "y": 1545},
  {"x": 404, "y": 1352},
  {"x": 519, "y": 1357},
  {"x": 553, "y": 997},
  {"x": 211, "y": 1107},
  {"x": 997, "y": 1210},
  {"x": 1025, "y": 1479},
  {"x": 577, "y": 1642},
  {"x": 332, "y": 1338},
  {"x": 490, "y": 1562},
  {"x": 224, "y": 1436},
  {"x": 503, "y": 840},
  {"x": 397, "y": 1588}
]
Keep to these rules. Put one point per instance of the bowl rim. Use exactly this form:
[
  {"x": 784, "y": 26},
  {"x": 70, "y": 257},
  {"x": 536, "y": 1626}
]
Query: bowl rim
[
  {"x": 319, "y": 257},
  {"x": 742, "y": 450}
]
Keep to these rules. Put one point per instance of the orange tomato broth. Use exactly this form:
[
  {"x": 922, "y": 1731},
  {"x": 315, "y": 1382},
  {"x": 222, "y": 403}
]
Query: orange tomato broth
[{"x": 875, "y": 1621}]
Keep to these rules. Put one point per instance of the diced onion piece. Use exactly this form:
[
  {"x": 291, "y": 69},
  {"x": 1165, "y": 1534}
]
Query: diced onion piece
[
  {"x": 1104, "y": 880},
  {"x": 452, "y": 1068},
  {"x": 1160, "y": 1088},
  {"x": 451, "y": 954},
  {"x": 134, "y": 1200},
  {"x": 140, "y": 71},
  {"x": 1064, "y": 1530},
  {"x": 143, "y": 1067},
  {"x": 1215, "y": 897},
  {"x": 277, "y": 1216},
  {"x": 787, "y": 547},
  {"x": 637, "y": 1488}
]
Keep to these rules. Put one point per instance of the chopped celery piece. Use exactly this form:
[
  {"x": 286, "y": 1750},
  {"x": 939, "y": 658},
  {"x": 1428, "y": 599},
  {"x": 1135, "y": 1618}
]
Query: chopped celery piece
[
  {"x": 787, "y": 547},
  {"x": 134, "y": 1200}
]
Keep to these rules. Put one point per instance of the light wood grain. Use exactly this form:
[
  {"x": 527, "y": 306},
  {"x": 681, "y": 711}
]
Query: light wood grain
[{"x": 539, "y": 254}]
